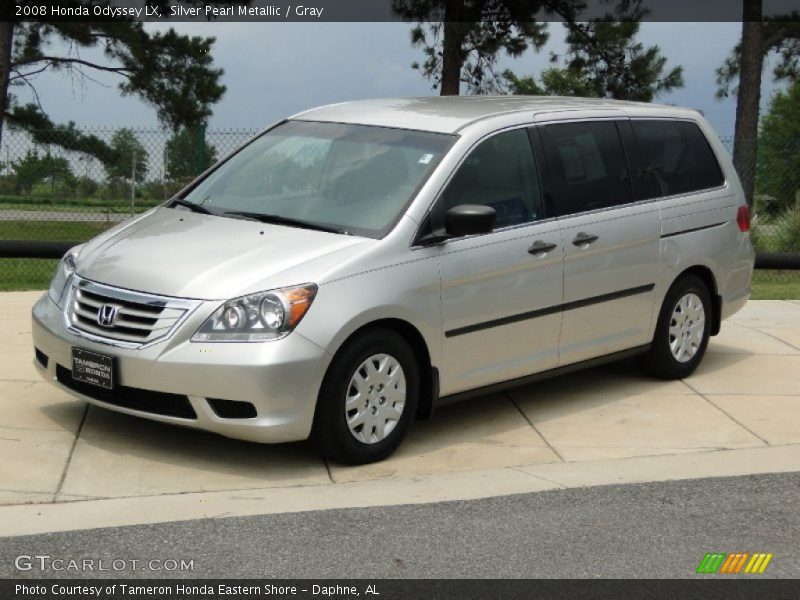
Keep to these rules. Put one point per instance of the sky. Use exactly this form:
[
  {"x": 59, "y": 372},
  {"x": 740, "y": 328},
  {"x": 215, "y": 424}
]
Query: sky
[{"x": 273, "y": 70}]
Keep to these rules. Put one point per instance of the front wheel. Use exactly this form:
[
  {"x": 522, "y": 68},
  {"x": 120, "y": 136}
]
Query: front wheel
[
  {"x": 368, "y": 398},
  {"x": 682, "y": 331}
]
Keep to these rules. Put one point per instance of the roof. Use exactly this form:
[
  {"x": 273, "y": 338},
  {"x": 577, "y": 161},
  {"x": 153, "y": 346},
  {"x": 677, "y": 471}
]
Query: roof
[{"x": 448, "y": 114}]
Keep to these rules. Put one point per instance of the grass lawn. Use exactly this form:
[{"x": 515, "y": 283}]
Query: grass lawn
[
  {"x": 118, "y": 209},
  {"x": 26, "y": 273},
  {"x": 776, "y": 285},
  {"x": 35, "y": 273},
  {"x": 55, "y": 231}
]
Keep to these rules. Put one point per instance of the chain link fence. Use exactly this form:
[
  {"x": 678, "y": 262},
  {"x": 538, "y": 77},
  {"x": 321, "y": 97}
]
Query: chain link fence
[
  {"x": 70, "y": 184},
  {"x": 775, "y": 227},
  {"x": 113, "y": 173}
]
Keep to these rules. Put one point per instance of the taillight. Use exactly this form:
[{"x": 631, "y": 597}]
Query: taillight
[{"x": 743, "y": 218}]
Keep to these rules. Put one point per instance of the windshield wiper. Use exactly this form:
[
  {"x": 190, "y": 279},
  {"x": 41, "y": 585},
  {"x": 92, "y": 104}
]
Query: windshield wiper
[
  {"x": 191, "y": 206},
  {"x": 279, "y": 220}
]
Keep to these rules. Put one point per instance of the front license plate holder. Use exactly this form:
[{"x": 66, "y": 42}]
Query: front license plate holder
[{"x": 93, "y": 368}]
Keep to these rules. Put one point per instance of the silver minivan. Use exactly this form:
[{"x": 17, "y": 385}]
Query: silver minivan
[{"x": 356, "y": 265}]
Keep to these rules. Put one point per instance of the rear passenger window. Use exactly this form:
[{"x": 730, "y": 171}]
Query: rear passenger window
[
  {"x": 586, "y": 166},
  {"x": 677, "y": 156},
  {"x": 499, "y": 173}
]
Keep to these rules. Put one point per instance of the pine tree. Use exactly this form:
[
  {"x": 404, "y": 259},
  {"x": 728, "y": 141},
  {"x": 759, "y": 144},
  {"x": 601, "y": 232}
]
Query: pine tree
[
  {"x": 462, "y": 40},
  {"x": 171, "y": 72},
  {"x": 761, "y": 37},
  {"x": 603, "y": 60}
]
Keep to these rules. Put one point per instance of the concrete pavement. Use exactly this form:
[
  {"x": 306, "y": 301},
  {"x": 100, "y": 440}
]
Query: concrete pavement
[{"x": 67, "y": 466}]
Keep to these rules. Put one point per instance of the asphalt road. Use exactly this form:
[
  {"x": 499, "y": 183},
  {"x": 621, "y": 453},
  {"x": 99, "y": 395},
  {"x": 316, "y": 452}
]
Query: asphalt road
[{"x": 643, "y": 530}]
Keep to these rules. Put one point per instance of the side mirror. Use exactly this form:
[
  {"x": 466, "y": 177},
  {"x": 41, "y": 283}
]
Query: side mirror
[{"x": 469, "y": 219}]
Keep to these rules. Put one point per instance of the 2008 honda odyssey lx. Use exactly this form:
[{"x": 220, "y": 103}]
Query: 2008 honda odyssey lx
[{"x": 357, "y": 264}]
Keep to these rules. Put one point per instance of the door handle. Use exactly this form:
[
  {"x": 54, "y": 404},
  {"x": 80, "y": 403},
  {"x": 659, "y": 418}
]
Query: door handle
[
  {"x": 584, "y": 239},
  {"x": 540, "y": 247}
]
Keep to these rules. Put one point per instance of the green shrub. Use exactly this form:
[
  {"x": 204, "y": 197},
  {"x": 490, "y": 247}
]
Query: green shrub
[
  {"x": 766, "y": 206},
  {"x": 87, "y": 186},
  {"x": 762, "y": 233},
  {"x": 757, "y": 238},
  {"x": 787, "y": 231}
]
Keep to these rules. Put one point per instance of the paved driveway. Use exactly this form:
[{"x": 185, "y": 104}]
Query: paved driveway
[{"x": 68, "y": 466}]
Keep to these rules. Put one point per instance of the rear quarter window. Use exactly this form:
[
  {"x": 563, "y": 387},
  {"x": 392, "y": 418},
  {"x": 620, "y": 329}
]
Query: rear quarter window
[{"x": 677, "y": 157}]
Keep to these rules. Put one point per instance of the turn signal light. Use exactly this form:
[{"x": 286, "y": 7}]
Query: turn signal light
[{"x": 743, "y": 218}]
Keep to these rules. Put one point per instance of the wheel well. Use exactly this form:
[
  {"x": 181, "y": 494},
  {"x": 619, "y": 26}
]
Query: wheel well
[
  {"x": 705, "y": 274},
  {"x": 429, "y": 375}
]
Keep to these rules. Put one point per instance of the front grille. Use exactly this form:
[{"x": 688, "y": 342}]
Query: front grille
[
  {"x": 159, "y": 403},
  {"x": 130, "y": 317}
]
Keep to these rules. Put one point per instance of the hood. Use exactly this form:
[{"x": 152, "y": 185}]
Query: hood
[{"x": 190, "y": 255}]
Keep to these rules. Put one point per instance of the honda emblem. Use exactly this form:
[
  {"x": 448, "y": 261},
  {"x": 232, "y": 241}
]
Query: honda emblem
[{"x": 106, "y": 315}]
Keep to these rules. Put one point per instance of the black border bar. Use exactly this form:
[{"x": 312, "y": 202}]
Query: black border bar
[
  {"x": 702, "y": 587},
  {"x": 203, "y": 11},
  {"x": 778, "y": 261},
  {"x": 34, "y": 248}
]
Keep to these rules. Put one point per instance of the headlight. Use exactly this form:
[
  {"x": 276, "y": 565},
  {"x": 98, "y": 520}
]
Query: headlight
[
  {"x": 258, "y": 317},
  {"x": 62, "y": 276}
]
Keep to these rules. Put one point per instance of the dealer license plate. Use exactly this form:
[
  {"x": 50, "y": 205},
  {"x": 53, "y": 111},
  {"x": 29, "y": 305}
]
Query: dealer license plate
[{"x": 95, "y": 369}]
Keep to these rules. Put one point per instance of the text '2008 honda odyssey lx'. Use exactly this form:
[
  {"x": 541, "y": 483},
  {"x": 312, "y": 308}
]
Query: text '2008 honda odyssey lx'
[{"x": 355, "y": 265}]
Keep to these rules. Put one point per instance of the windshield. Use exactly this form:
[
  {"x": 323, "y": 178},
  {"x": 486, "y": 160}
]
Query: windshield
[{"x": 352, "y": 178}]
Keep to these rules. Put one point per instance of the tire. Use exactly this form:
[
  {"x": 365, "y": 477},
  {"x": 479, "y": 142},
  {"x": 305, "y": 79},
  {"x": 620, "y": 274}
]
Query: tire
[
  {"x": 360, "y": 395},
  {"x": 668, "y": 358}
]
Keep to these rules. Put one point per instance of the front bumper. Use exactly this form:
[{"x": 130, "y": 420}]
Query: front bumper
[{"x": 281, "y": 378}]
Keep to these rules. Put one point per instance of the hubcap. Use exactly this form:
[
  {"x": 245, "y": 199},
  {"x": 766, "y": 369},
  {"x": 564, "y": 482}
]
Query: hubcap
[
  {"x": 375, "y": 398},
  {"x": 686, "y": 327}
]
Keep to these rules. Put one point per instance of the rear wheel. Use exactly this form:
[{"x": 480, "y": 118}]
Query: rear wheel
[
  {"x": 682, "y": 331},
  {"x": 368, "y": 398}
]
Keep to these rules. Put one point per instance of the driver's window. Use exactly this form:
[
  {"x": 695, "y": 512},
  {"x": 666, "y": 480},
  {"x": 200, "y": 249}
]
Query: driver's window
[{"x": 500, "y": 173}]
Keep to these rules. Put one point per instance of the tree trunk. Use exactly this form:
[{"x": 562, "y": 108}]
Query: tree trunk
[
  {"x": 6, "y": 38},
  {"x": 751, "y": 64},
  {"x": 451, "y": 49}
]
